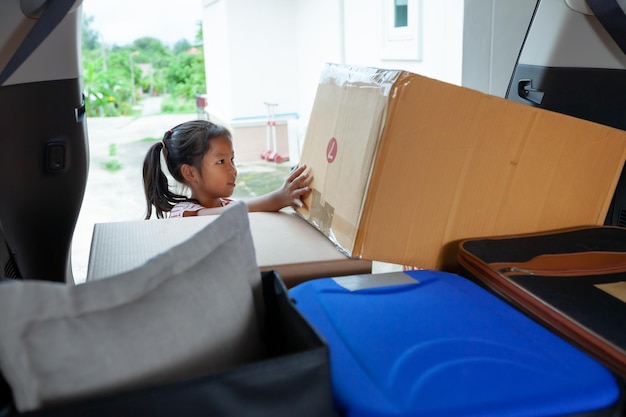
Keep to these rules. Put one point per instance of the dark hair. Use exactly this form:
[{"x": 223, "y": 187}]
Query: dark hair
[{"x": 186, "y": 143}]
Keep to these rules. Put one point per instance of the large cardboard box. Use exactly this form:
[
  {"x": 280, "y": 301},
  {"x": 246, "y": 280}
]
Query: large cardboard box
[{"x": 406, "y": 166}]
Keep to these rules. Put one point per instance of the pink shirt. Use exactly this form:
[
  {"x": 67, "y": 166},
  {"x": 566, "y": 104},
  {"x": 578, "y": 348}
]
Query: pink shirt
[{"x": 180, "y": 208}]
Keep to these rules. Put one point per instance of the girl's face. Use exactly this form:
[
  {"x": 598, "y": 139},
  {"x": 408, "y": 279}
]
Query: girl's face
[{"x": 218, "y": 175}]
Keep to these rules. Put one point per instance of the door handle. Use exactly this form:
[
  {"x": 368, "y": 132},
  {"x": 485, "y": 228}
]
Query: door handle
[{"x": 526, "y": 91}]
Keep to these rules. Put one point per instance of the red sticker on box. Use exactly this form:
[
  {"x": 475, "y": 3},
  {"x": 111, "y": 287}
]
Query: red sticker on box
[{"x": 331, "y": 150}]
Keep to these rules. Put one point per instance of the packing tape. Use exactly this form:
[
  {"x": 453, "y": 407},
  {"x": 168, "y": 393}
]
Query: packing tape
[{"x": 321, "y": 214}]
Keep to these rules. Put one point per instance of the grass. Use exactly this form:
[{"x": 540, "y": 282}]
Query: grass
[
  {"x": 149, "y": 139},
  {"x": 112, "y": 164},
  {"x": 173, "y": 105},
  {"x": 252, "y": 183}
]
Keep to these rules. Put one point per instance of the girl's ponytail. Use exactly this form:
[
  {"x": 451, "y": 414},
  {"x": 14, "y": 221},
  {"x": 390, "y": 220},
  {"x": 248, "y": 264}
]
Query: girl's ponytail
[{"x": 155, "y": 184}]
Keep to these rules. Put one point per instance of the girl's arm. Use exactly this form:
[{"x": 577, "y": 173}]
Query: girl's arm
[
  {"x": 205, "y": 211},
  {"x": 290, "y": 194}
]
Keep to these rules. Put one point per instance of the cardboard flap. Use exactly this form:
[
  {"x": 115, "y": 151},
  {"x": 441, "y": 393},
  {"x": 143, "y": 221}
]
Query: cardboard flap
[{"x": 350, "y": 106}]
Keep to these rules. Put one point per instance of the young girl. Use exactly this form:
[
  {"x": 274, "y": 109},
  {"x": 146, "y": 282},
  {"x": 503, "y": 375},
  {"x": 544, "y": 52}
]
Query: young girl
[{"x": 199, "y": 155}]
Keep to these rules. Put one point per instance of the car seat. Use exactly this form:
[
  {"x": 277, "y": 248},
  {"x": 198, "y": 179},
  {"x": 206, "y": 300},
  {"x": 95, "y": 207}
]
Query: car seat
[{"x": 43, "y": 137}]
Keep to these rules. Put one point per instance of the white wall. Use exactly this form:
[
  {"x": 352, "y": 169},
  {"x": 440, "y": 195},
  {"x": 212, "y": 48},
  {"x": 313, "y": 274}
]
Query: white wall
[
  {"x": 217, "y": 58},
  {"x": 249, "y": 55},
  {"x": 276, "y": 49},
  {"x": 319, "y": 41},
  {"x": 351, "y": 32}
]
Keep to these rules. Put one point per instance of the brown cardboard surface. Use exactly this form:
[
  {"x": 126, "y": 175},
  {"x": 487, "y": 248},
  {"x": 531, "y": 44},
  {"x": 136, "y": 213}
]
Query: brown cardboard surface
[
  {"x": 437, "y": 163},
  {"x": 346, "y": 121},
  {"x": 340, "y": 144},
  {"x": 283, "y": 242},
  {"x": 616, "y": 289}
]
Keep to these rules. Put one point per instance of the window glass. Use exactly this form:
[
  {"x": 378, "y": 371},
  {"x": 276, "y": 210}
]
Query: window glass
[{"x": 401, "y": 13}]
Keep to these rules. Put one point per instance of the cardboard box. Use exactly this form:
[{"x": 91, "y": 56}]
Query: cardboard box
[
  {"x": 283, "y": 242},
  {"x": 406, "y": 166}
]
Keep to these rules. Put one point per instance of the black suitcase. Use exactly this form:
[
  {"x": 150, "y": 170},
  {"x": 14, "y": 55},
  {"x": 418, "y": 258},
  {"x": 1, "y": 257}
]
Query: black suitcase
[{"x": 573, "y": 281}]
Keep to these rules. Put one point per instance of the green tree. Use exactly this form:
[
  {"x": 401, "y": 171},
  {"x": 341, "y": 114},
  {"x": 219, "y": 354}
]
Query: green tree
[
  {"x": 89, "y": 36},
  {"x": 151, "y": 50},
  {"x": 109, "y": 73},
  {"x": 181, "y": 46},
  {"x": 107, "y": 92},
  {"x": 185, "y": 74},
  {"x": 199, "y": 33}
]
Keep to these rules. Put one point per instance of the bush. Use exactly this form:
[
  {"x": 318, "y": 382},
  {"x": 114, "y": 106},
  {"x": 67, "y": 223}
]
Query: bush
[{"x": 175, "y": 105}]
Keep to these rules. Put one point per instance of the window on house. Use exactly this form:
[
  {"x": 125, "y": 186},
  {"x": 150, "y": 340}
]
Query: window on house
[
  {"x": 401, "y": 37},
  {"x": 401, "y": 13}
]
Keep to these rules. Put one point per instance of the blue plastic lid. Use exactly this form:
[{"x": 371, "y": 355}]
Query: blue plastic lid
[{"x": 442, "y": 346}]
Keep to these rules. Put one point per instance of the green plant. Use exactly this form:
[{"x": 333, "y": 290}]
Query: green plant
[
  {"x": 171, "y": 104},
  {"x": 116, "y": 77},
  {"x": 112, "y": 164},
  {"x": 112, "y": 150},
  {"x": 150, "y": 139}
]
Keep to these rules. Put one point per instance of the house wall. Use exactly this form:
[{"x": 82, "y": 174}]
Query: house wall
[
  {"x": 275, "y": 50},
  {"x": 319, "y": 33},
  {"x": 249, "y": 56},
  {"x": 352, "y": 31}
]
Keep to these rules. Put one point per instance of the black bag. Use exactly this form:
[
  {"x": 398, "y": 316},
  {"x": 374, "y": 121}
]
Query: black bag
[
  {"x": 294, "y": 380},
  {"x": 569, "y": 280}
]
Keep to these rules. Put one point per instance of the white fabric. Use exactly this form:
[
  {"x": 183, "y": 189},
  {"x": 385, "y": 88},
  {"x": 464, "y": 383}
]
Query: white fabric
[
  {"x": 186, "y": 312},
  {"x": 179, "y": 209}
]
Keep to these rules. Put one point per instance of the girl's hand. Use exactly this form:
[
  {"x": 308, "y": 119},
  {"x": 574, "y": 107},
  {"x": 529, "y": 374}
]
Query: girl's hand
[{"x": 296, "y": 186}]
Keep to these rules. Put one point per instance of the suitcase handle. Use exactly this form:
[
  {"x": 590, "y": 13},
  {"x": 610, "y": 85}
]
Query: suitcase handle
[{"x": 566, "y": 264}]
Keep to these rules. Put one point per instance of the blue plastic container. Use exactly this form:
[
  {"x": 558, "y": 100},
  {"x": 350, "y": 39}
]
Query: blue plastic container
[{"x": 426, "y": 343}]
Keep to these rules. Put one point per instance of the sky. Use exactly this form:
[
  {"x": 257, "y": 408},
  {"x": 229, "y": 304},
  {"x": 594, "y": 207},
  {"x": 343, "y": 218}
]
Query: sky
[{"x": 121, "y": 22}]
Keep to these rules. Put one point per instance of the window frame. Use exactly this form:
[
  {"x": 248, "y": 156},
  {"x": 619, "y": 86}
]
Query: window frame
[{"x": 405, "y": 42}]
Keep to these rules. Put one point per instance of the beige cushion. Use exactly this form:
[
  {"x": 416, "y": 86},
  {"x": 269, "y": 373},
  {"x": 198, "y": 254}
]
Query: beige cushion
[{"x": 185, "y": 312}]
